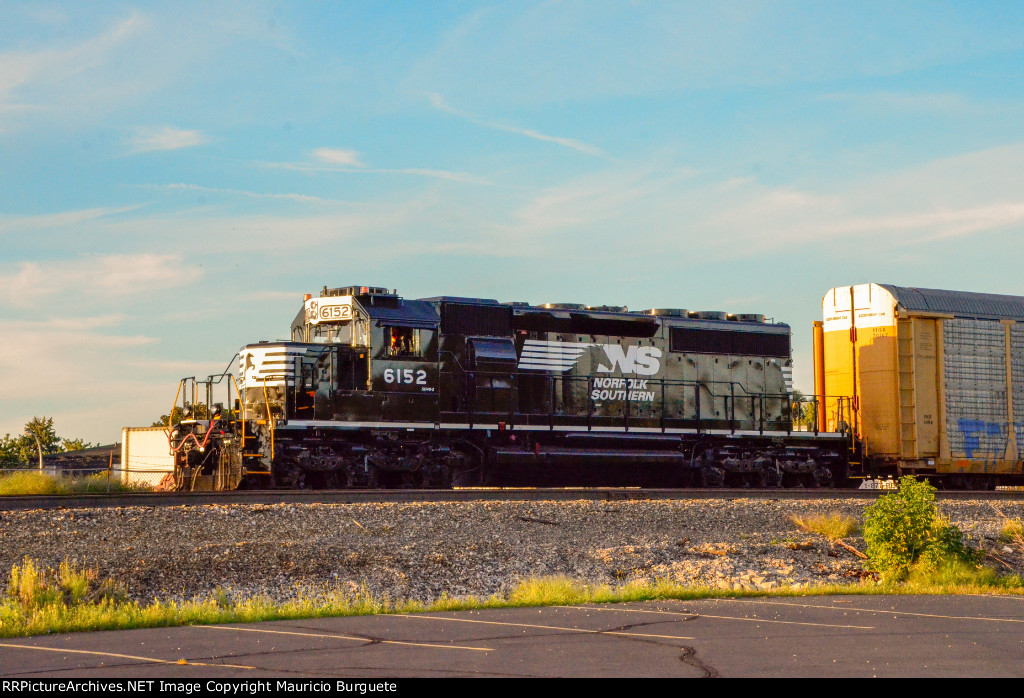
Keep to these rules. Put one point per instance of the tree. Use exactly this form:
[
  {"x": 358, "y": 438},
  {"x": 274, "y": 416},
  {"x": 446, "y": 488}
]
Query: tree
[
  {"x": 10, "y": 451},
  {"x": 803, "y": 410},
  {"x": 41, "y": 436},
  {"x": 24, "y": 450},
  {"x": 178, "y": 414}
]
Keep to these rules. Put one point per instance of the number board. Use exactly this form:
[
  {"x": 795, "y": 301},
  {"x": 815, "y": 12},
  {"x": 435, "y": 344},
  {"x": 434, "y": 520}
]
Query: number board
[
  {"x": 415, "y": 379},
  {"x": 333, "y": 309}
]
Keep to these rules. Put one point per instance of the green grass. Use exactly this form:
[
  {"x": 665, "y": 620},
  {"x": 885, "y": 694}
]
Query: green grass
[
  {"x": 831, "y": 526},
  {"x": 33, "y": 482},
  {"x": 1012, "y": 531},
  {"x": 40, "y": 601}
]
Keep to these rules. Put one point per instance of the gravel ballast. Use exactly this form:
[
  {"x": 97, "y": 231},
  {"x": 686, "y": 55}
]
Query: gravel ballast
[{"x": 422, "y": 551}]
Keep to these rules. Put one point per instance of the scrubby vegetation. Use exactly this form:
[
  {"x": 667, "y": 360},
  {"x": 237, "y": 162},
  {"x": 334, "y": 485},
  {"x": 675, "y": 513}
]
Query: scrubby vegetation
[
  {"x": 904, "y": 534},
  {"x": 1013, "y": 532},
  {"x": 42, "y": 601},
  {"x": 68, "y": 599},
  {"x": 29, "y": 482},
  {"x": 831, "y": 526}
]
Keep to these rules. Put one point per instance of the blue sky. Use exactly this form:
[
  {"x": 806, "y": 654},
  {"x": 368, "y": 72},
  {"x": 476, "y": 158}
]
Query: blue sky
[{"x": 174, "y": 176}]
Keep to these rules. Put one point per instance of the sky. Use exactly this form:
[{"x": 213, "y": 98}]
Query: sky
[{"x": 174, "y": 176}]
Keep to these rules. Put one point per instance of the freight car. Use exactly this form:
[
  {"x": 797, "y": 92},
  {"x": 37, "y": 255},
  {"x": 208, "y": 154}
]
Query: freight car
[
  {"x": 936, "y": 380},
  {"x": 375, "y": 390}
]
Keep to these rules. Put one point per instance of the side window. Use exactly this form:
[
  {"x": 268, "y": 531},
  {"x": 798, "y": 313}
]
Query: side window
[
  {"x": 331, "y": 334},
  {"x": 402, "y": 342}
]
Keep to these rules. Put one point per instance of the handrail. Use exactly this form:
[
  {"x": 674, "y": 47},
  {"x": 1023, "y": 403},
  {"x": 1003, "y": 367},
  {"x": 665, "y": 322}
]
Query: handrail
[
  {"x": 170, "y": 414},
  {"x": 270, "y": 418},
  {"x": 767, "y": 411}
]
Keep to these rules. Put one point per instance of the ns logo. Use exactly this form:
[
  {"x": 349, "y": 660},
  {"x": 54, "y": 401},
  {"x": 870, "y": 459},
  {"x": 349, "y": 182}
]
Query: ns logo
[
  {"x": 643, "y": 361},
  {"x": 311, "y": 311}
]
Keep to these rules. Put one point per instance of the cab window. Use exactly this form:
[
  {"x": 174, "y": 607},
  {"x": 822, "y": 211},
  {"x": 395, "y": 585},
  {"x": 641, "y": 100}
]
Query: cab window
[{"x": 402, "y": 341}]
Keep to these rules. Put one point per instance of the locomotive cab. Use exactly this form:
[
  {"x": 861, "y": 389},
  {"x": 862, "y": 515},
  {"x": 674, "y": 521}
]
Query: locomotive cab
[{"x": 377, "y": 357}]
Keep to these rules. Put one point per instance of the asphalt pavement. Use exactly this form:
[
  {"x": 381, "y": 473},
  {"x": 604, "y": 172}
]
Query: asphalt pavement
[{"x": 862, "y": 636}]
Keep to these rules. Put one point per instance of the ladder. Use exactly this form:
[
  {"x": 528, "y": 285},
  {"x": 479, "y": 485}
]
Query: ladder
[{"x": 907, "y": 384}]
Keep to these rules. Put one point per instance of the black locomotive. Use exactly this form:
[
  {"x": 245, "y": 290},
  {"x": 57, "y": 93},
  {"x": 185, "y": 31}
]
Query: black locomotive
[{"x": 374, "y": 390}]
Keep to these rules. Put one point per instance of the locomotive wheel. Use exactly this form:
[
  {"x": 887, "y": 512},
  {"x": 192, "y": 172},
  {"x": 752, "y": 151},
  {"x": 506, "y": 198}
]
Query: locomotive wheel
[
  {"x": 822, "y": 477},
  {"x": 466, "y": 478},
  {"x": 712, "y": 476},
  {"x": 792, "y": 480}
]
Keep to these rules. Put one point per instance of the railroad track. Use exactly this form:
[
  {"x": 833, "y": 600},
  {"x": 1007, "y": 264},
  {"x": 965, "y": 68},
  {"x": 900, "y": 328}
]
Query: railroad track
[{"x": 149, "y": 499}]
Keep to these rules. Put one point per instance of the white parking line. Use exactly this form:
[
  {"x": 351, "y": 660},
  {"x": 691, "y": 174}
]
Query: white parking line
[
  {"x": 706, "y": 615},
  {"x": 1007, "y": 597},
  {"x": 549, "y": 627},
  {"x": 153, "y": 660},
  {"x": 881, "y": 611},
  {"x": 348, "y": 637}
]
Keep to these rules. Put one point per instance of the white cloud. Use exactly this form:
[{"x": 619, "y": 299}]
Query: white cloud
[
  {"x": 75, "y": 77},
  {"x": 150, "y": 139},
  {"x": 679, "y": 211},
  {"x": 58, "y": 71},
  {"x": 437, "y": 101},
  {"x": 958, "y": 196},
  {"x": 107, "y": 276},
  {"x": 74, "y": 370},
  {"x": 12, "y": 224},
  {"x": 440, "y": 174},
  {"x": 418, "y": 172},
  {"x": 561, "y": 52},
  {"x": 301, "y": 198},
  {"x": 336, "y": 156}
]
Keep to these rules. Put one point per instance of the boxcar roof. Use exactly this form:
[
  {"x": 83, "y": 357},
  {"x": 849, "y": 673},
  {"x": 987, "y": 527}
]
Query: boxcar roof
[{"x": 958, "y": 303}]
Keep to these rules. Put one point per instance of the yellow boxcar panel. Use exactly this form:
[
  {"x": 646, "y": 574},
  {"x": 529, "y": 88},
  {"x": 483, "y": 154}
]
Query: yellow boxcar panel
[
  {"x": 926, "y": 387},
  {"x": 879, "y": 414}
]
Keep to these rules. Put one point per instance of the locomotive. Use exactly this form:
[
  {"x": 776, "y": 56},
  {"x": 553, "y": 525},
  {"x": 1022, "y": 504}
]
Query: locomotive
[{"x": 376, "y": 390}]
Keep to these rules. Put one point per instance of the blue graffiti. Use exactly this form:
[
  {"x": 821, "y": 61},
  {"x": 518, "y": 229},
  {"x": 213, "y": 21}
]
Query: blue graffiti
[{"x": 973, "y": 429}]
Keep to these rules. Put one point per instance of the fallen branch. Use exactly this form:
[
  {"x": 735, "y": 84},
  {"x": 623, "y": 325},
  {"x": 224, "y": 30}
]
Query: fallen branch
[
  {"x": 852, "y": 549},
  {"x": 1008, "y": 565}
]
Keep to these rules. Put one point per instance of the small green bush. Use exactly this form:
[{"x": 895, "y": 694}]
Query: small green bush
[
  {"x": 903, "y": 531},
  {"x": 946, "y": 545}
]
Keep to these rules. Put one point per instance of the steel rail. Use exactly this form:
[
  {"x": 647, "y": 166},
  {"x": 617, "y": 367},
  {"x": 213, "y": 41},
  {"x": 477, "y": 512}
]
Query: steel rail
[{"x": 151, "y": 499}]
